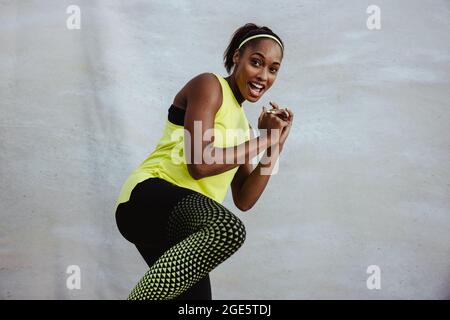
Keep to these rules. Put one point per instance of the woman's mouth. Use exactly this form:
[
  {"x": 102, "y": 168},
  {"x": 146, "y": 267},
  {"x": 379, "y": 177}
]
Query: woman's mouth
[{"x": 255, "y": 89}]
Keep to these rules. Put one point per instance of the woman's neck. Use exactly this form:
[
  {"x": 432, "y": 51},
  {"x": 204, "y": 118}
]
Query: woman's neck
[{"x": 234, "y": 87}]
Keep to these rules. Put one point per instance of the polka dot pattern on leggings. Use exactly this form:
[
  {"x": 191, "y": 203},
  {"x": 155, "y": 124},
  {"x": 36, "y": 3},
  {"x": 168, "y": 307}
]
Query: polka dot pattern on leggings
[{"x": 204, "y": 234}]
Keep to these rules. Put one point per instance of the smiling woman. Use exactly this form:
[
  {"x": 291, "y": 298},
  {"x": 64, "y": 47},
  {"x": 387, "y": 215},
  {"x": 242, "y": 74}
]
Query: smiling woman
[
  {"x": 172, "y": 210},
  {"x": 255, "y": 55}
]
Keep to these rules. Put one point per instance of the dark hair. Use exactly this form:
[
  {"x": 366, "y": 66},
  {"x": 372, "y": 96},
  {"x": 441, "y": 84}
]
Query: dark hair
[{"x": 248, "y": 30}]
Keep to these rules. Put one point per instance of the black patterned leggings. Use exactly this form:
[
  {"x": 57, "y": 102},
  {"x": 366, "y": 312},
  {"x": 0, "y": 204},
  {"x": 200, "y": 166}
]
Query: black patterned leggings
[{"x": 182, "y": 235}]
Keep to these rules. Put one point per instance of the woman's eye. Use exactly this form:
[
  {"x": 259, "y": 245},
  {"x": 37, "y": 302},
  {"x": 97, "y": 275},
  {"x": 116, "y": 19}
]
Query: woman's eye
[{"x": 255, "y": 61}]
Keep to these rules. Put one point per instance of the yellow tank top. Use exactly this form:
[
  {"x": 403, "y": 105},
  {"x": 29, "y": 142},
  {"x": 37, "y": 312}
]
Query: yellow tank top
[{"x": 167, "y": 161}]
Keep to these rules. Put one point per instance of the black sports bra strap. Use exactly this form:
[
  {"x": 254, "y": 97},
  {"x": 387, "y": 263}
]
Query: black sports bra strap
[{"x": 176, "y": 115}]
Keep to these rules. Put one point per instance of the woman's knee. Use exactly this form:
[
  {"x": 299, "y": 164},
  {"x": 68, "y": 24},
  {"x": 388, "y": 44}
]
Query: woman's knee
[
  {"x": 232, "y": 229},
  {"x": 242, "y": 232}
]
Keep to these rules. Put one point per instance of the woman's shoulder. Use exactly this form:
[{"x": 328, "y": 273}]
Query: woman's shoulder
[
  {"x": 209, "y": 80},
  {"x": 206, "y": 84},
  {"x": 203, "y": 84}
]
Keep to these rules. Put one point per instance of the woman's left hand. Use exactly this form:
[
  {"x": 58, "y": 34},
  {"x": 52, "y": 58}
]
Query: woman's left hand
[{"x": 288, "y": 116}]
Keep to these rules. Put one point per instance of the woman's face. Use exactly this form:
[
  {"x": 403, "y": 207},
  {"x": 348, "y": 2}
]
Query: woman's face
[{"x": 256, "y": 70}]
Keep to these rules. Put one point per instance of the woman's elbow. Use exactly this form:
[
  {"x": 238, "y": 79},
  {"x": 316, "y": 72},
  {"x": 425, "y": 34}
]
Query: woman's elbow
[
  {"x": 243, "y": 207},
  {"x": 196, "y": 171}
]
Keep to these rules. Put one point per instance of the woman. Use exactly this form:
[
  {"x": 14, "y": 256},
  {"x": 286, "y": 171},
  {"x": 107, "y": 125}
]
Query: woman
[{"x": 171, "y": 210}]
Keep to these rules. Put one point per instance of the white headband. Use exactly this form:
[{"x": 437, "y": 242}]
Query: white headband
[{"x": 259, "y": 36}]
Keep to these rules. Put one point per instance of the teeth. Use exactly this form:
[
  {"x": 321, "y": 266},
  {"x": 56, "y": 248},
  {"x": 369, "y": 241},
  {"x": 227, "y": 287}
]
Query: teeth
[{"x": 257, "y": 85}]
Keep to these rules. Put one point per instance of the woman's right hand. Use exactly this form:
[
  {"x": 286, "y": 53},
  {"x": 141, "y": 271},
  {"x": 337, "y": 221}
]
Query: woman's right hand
[{"x": 269, "y": 121}]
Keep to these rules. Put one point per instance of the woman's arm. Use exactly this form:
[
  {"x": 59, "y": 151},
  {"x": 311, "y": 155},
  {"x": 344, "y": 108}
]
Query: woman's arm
[
  {"x": 204, "y": 98},
  {"x": 248, "y": 184}
]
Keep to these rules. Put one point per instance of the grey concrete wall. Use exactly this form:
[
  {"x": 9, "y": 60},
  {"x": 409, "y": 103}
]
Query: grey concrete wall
[{"x": 364, "y": 178}]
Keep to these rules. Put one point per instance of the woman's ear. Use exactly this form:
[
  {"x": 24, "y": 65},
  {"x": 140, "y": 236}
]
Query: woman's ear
[{"x": 236, "y": 57}]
